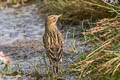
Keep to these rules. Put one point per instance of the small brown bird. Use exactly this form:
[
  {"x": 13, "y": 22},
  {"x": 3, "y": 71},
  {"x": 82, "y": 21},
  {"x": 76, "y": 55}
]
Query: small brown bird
[{"x": 53, "y": 42}]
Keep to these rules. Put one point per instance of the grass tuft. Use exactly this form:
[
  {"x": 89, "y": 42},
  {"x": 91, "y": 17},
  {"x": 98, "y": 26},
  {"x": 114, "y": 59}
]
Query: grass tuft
[{"x": 104, "y": 60}]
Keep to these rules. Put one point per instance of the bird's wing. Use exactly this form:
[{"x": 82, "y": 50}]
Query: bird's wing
[
  {"x": 55, "y": 53},
  {"x": 54, "y": 46}
]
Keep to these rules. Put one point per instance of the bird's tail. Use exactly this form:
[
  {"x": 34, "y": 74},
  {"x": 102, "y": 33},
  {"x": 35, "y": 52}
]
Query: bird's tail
[{"x": 55, "y": 69}]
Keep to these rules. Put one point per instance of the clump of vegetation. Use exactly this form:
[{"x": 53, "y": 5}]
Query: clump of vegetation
[
  {"x": 14, "y": 1},
  {"x": 104, "y": 60},
  {"x": 4, "y": 4},
  {"x": 17, "y": 1},
  {"x": 77, "y": 9}
]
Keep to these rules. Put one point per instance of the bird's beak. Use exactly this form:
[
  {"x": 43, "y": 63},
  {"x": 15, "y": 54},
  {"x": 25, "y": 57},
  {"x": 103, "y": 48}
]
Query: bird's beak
[{"x": 59, "y": 15}]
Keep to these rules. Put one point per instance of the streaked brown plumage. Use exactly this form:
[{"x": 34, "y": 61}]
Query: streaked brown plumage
[{"x": 53, "y": 42}]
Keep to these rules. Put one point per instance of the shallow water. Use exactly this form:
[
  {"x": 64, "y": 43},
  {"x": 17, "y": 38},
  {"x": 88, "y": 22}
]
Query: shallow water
[
  {"x": 21, "y": 23},
  {"x": 21, "y": 31}
]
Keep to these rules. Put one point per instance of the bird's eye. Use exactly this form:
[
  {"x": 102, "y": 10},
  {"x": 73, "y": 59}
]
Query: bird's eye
[{"x": 53, "y": 17}]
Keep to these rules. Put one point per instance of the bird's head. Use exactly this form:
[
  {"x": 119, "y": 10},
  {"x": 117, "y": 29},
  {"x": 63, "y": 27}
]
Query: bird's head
[{"x": 53, "y": 18}]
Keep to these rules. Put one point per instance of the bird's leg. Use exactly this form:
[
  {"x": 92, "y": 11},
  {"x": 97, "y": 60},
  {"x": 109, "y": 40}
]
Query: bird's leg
[
  {"x": 50, "y": 65},
  {"x": 61, "y": 69}
]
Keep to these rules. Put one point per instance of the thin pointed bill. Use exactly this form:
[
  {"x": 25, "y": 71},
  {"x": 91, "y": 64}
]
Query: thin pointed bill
[{"x": 59, "y": 15}]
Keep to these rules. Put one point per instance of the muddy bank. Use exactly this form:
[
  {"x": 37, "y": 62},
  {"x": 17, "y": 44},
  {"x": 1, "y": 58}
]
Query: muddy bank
[{"x": 26, "y": 59}]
